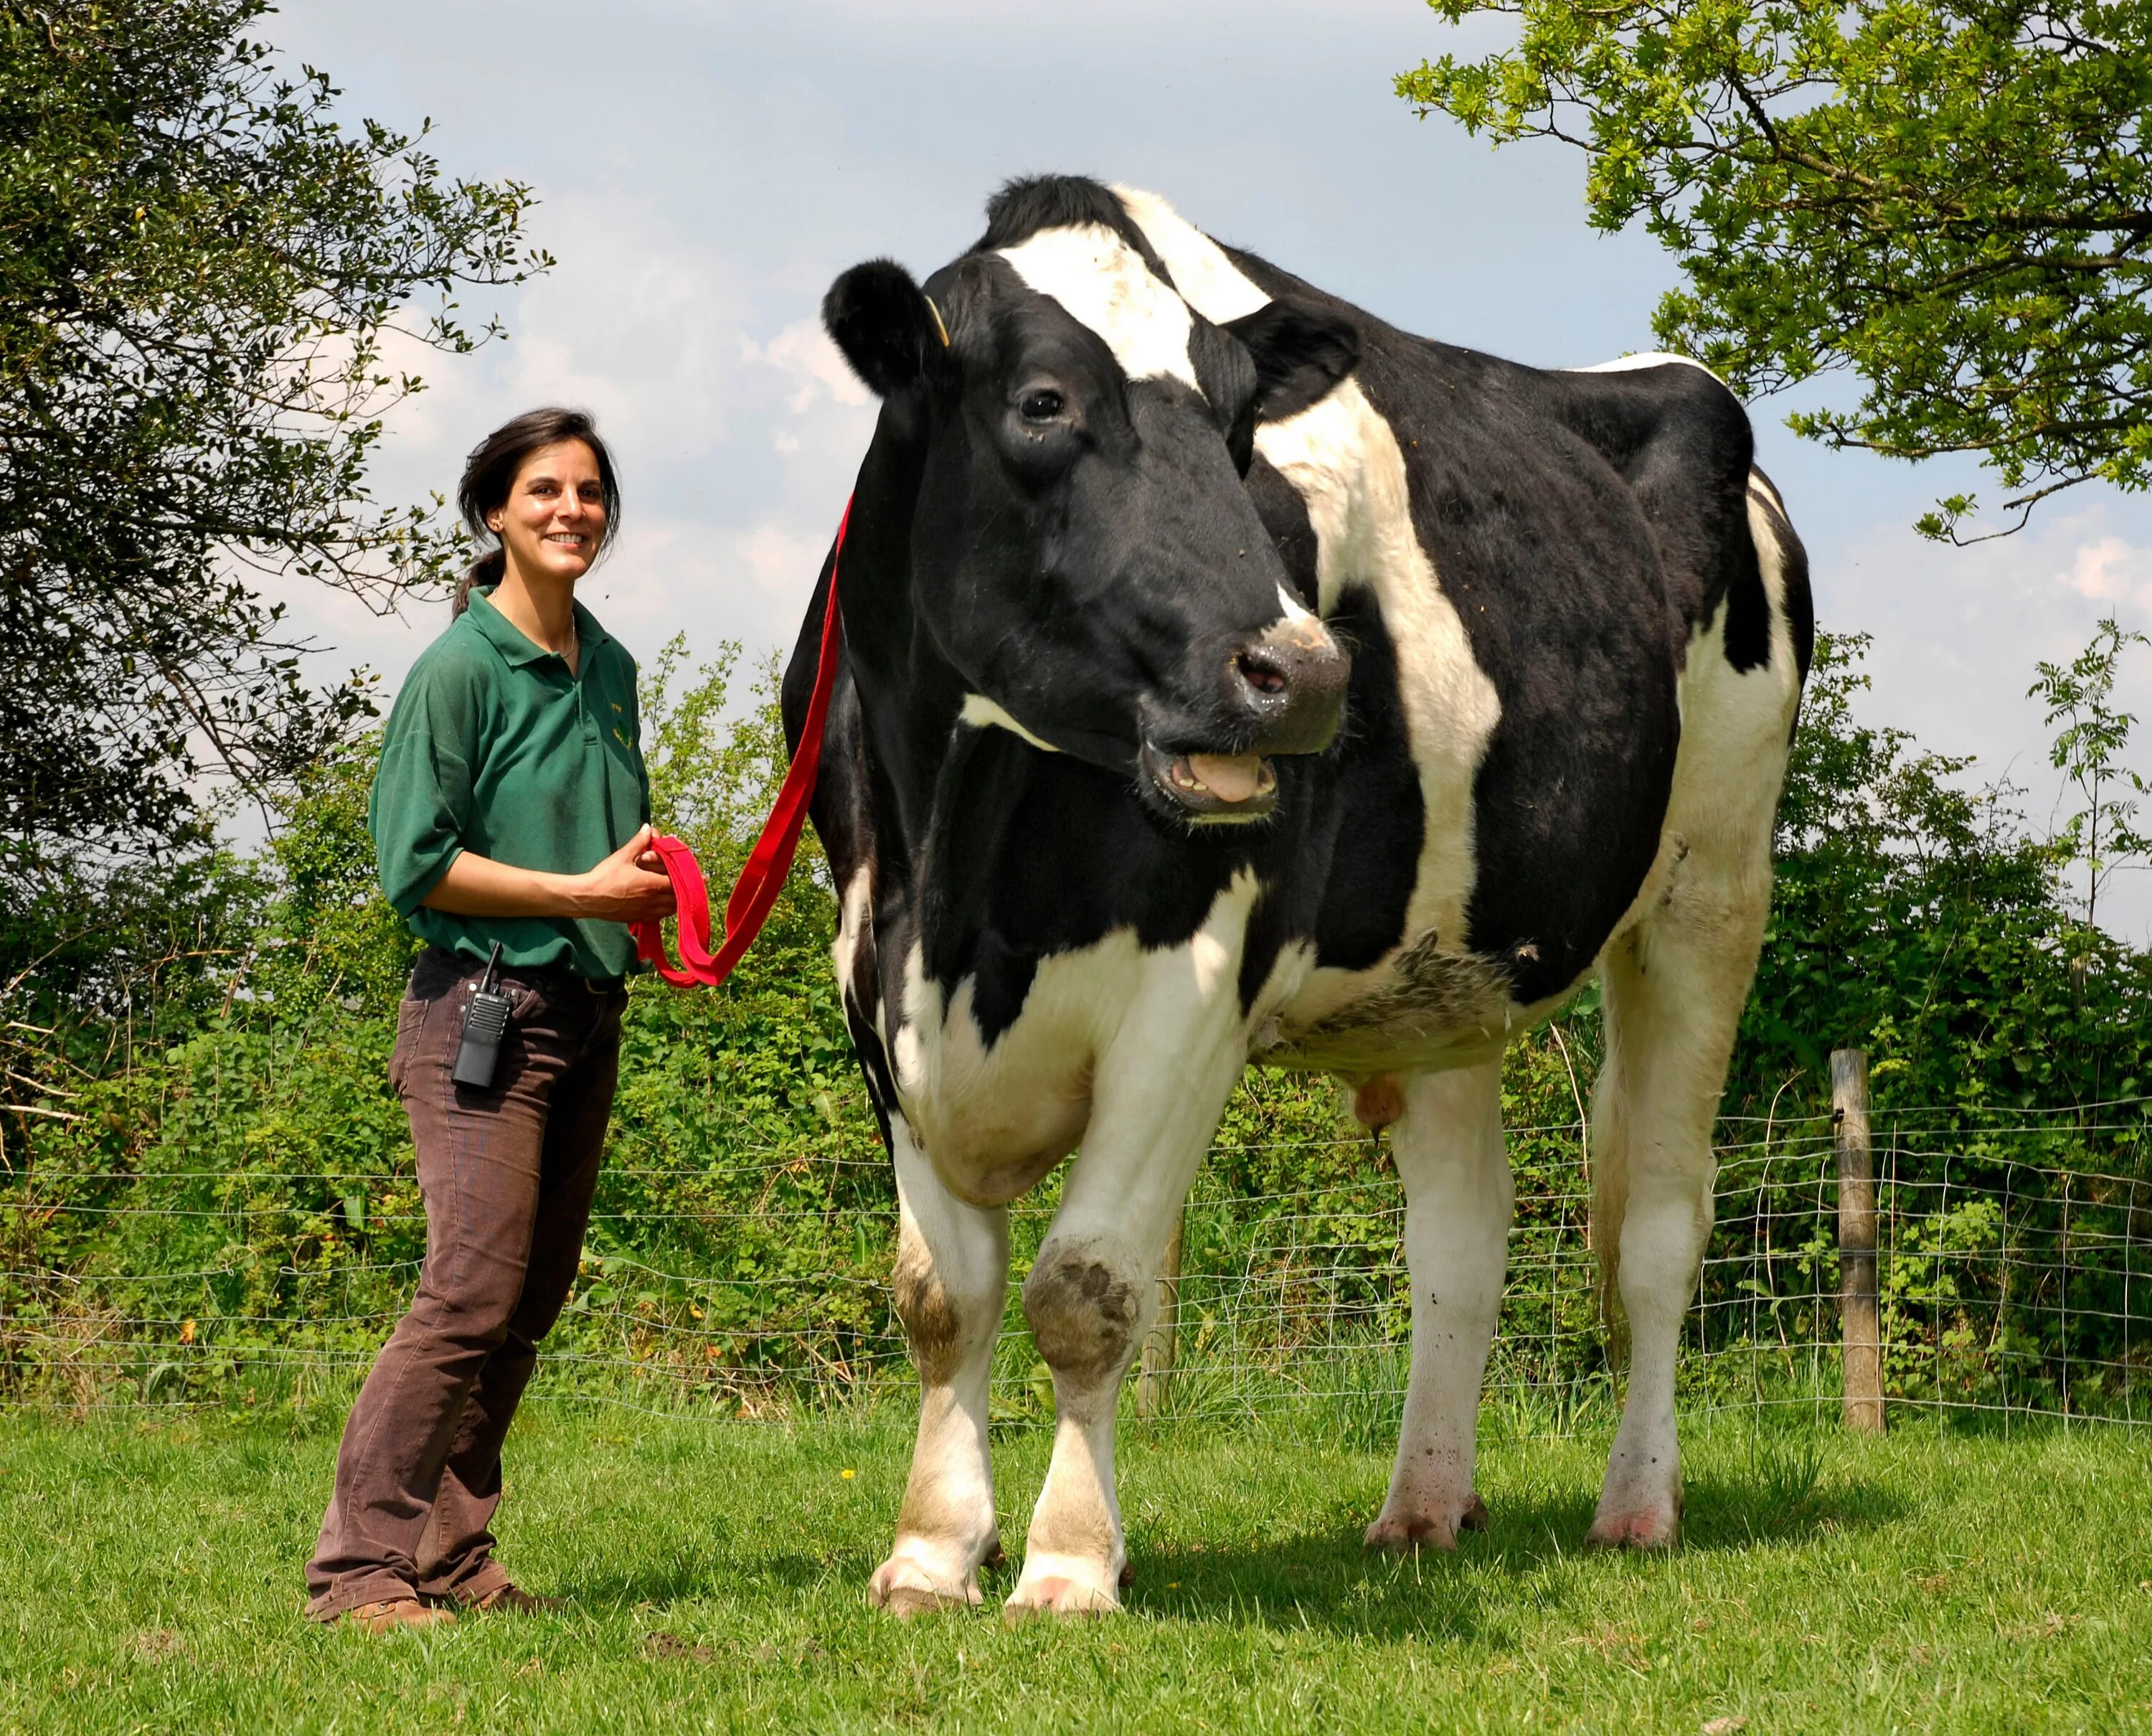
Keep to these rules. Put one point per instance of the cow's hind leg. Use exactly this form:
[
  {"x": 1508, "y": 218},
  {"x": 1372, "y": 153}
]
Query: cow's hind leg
[
  {"x": 1674, "y": 984},
  {"x": 1447, "y": 1146},
  {"x": 952, "y": 1280}
]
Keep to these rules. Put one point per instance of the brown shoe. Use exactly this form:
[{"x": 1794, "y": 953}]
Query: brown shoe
[
  {"x": 393, "y": 1613},
  {"x": 513, "y": 1599}
]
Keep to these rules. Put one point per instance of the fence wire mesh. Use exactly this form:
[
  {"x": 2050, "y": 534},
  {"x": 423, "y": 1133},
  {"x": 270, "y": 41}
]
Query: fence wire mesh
[{"x": 2013, "y": 1268}]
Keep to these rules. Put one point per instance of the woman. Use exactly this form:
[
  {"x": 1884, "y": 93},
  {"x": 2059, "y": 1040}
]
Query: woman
[{"x": 510, "y": 809}]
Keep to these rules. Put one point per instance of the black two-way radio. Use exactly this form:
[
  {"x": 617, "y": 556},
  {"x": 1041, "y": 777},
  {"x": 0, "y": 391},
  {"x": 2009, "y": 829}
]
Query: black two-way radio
[{"x": 485, "y": 1022}]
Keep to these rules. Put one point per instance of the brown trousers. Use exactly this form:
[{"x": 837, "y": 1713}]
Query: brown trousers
[{"x": 507, "y": 1173}]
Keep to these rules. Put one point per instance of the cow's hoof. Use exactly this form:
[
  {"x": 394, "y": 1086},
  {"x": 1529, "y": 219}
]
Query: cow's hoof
[
  {"x": 1407, "y": 1533},
  {"x": 1638, "y": 1528},
  {"x": 1056, "y": 1595},
  {"x": 904, "y": 1589}
]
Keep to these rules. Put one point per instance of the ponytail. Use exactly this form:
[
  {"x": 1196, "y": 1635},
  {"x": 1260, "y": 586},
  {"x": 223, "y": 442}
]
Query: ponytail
[{"x": 484, "y": 573}]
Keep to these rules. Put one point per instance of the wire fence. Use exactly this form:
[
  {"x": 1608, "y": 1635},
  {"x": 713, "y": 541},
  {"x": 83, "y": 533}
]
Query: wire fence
[{"x": 2014, "y": 1276}]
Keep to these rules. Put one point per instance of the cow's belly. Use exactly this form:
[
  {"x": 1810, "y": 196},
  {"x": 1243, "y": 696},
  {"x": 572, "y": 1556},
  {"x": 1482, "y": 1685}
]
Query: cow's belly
[{"x": 1424, "y": 1008}]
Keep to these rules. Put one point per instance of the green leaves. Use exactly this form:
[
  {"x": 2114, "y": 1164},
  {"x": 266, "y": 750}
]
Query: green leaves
[
  {"x": 2088, "y": 749},
  {"x": 1952, "y": 200},
  {"x": 1915, "y": 916},
  {"x": 202, "y": 278}
]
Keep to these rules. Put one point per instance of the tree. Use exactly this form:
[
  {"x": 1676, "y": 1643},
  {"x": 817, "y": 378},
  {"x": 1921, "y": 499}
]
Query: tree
[
  {"x": 2088, "y": 750},
  {"x": 1950, "y": 198},
  {"x": 200, "y": 272}
]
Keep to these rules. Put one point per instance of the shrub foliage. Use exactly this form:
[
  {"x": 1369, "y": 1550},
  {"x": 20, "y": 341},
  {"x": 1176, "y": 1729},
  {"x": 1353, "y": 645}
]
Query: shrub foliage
[{"x": 200, "y": 1153}]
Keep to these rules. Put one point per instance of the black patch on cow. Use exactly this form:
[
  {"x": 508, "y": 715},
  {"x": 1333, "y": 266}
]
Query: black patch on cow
[
  {"x": 1055, "y": 855},
  {"x": 1031, "y": 203},
  {"x": 1378, "y": 815},
  {"x": 874, "y": 1069},
  {"x": 1582, "y": 525},
  {"x": 1284, "y": 514},
  {"x": 1543, "y": 551},
  {"x": 844, "y": 810},
  {"x": 1300, "y": 352},
  {"x": 1683, "y": 444},
  {"x": 1748, "y": 617}
]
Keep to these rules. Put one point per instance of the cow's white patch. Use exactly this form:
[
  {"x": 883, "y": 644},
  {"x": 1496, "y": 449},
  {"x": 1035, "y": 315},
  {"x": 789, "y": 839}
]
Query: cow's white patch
[
  {"x": 981, "y": 713},
  {"x": 1103, "y": 281},
  {"x": 1213, "y": 285},
  {"x": 1291, "y": 605},
  {"x": 1759, "y": 484},
  {"x": 1648, "y": 358},
  {"x": 1134, "y": 1053},
  {"x": 855, "y": 907},
  {"x": 1342, "y": 458}
]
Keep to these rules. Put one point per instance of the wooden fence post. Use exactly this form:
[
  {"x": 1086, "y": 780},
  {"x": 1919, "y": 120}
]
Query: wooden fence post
[
  {"x": 1162, "y": 1343},
  {"x": 1860, "y": 1318}
]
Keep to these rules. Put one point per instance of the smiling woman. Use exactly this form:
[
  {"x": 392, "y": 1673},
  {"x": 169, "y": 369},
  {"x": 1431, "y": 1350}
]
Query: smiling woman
[{"x": 510, "y": 819}]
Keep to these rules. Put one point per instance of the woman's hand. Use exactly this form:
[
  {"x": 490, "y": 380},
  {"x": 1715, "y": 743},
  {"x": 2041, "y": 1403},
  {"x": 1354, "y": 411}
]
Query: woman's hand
[{"x": 629, "y": 886}]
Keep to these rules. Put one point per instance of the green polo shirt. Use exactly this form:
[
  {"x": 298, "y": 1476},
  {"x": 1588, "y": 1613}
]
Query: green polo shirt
[{"x": 493, "y": 747}]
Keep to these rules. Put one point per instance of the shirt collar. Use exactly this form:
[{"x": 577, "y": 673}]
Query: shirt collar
[{"x": 514, "y": 645}]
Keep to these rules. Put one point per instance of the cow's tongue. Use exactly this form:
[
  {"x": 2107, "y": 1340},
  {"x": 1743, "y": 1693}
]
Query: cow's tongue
[{"x": 1229, "y": 777}]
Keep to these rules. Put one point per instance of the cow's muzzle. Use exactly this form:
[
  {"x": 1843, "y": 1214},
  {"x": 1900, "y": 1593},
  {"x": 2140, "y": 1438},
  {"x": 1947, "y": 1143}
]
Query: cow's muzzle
[
  {"x": 1289, "y": 686},
  {"x": 1281, "y": 693}
]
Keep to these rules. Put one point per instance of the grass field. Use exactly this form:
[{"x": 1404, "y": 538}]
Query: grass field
[{"x": 713, "y": 1574}]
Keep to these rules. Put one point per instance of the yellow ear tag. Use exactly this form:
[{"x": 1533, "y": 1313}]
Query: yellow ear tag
[{"x": 936, "y": 313}]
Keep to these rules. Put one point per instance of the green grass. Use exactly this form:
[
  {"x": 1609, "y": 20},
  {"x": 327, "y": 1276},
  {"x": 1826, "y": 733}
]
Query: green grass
[{"x": 149, "y": 1579}]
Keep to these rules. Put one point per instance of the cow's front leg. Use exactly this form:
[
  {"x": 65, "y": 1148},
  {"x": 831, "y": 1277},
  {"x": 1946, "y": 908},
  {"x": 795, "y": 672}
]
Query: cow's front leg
[
  {"x": 1458, "y": 1197},
  {"x": 1090, "y": 1300},
  {"x": 1160, "y": 1089},
  {"x": 951, "y": 1278}
]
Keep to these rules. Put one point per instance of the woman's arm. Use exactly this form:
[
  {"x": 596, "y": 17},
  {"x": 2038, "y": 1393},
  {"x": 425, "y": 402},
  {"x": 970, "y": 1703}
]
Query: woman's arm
[{"x": 627, "y": 886}]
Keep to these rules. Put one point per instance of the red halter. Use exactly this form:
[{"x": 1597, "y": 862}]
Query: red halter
[{"x": 771, "y": 860}]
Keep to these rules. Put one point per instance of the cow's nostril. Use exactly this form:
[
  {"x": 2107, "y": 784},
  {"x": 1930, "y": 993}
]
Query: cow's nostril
[{"x": 1259, "y": 674}]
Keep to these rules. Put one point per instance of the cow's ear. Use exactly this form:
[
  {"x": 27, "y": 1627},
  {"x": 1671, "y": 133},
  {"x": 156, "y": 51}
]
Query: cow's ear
[
  {"x": 1300, "y": 352},
  {"x": 888, "y": 330}
]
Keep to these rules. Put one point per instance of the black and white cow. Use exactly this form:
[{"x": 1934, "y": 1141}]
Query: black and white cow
[{"x": 1230, "y": 676}]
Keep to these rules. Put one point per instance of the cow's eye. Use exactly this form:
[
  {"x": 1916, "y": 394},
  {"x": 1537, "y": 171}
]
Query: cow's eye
[{"x": 1041, "y": 405}]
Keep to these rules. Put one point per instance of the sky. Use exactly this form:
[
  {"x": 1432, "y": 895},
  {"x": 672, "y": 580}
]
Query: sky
[{"x": 705, "y": 169}]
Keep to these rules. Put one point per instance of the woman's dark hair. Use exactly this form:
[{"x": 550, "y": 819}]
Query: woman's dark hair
[{"x": 489, "y": 474}]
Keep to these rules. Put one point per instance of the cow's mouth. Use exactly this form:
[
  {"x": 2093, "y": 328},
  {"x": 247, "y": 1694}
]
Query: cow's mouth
[{"x": 1214, "y": 786}]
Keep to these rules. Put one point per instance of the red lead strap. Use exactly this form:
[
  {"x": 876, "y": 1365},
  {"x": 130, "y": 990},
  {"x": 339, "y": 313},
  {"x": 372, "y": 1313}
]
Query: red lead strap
[{"x": 771, "y": 860}]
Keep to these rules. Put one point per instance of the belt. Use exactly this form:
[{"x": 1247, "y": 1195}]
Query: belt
[{"x": 448, "y": 968}]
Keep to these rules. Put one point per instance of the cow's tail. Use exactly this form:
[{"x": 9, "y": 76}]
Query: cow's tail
[{"x": 1609, "y": 1159}]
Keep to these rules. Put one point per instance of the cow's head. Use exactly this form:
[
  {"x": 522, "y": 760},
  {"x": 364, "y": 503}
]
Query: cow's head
[{"x": 1083, "y": 551}]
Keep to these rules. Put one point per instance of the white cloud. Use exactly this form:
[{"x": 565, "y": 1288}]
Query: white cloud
[
  {"x": 2110, "y": 570},
  {"x": 803, "y": 352}
]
